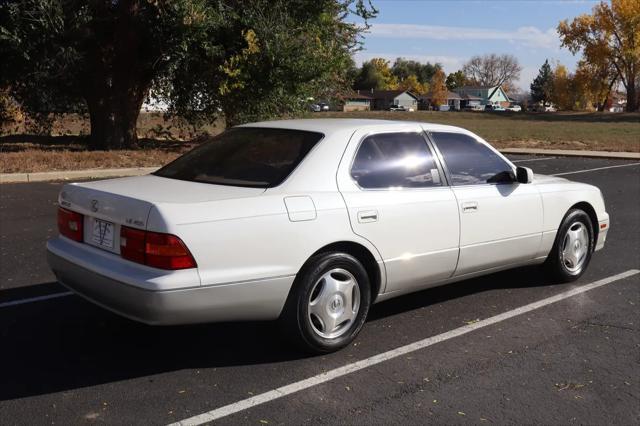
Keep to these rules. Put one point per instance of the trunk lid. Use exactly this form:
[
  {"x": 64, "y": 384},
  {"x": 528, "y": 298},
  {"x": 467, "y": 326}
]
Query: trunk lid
[{"x": 109, "y": 204}]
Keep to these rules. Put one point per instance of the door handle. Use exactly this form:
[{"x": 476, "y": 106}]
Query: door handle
[
  {"x": 470, "y": 207},
  {"x": 366, "y": 216}
]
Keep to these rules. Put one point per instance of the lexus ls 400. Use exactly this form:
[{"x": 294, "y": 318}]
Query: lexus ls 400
[{"x": 312, "y": 221}]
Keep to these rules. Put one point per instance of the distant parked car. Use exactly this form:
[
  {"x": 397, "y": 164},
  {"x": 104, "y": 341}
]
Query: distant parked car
[
  {"x": 494, "y": 108},
  {"x": 515, "y": 108},
  {"x": 444, "y": 108},
  {"x": 312, "y": 221},
  {"x": 398, "y": 108},
  {"x": 319, "y": 107},
  {"x": 544, "y": 108},
  {"x": 474, "y": 108}
]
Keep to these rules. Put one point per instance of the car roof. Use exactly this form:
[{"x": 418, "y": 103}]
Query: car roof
[{"x": 332, "y": 125}]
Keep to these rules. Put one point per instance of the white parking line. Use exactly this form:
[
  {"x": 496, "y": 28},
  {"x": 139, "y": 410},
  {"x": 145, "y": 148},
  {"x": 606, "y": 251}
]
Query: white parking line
[
  {"x": 35, "y": 299},
  {"x": 596, "y": 169},
  {"x": 394, "y": 353},
  {"x": 533, "y": 159}
]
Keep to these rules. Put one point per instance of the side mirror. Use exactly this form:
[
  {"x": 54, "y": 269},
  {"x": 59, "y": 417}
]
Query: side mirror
[{"x": 524, "y": 175}]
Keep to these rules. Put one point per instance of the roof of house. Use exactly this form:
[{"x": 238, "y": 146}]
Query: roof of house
[
  {"x": 476, "y": 88},
  {"x": 491, "y": 90},
  {"x": 354, "y": 95},
  {"x": 450, "y": 95},
  {"x": 495, "y": 90},
  {"x": 383, "y": 94},
  {"x": 471, "y": 97}
]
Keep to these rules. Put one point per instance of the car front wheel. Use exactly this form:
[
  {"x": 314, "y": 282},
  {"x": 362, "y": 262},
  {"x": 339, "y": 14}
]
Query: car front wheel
[
  {"x": 328, "y": 304},
  {"x": 572, "y": 249}
]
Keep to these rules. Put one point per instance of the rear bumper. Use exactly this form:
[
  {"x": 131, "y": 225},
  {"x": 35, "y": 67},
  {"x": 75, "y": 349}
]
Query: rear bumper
[{"x": 253, "y": 300}]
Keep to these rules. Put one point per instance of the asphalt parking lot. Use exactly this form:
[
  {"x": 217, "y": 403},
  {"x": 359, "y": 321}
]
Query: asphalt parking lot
[{"x": 573, "y": 361}]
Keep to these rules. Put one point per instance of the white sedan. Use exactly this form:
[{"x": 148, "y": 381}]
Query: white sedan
[{"x": 312, "y": 221}]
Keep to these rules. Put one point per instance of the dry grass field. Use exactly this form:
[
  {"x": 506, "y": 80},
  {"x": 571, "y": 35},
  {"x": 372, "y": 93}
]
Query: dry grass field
[
  {"x": 581, "y": 131},
  {"x": 62, "y": 148}
]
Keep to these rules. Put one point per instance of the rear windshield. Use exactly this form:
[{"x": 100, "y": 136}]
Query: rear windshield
[{"x": 244, "y": 156}]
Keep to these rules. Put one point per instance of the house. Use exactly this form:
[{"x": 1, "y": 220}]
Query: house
[
  {"x": 471, "y": 102},
  {"x": 617, "y": 102},
  {"x": 452, "y": 103},
  {"x": 489, "y": 95},
  {"x": 355, "y": 101},
  {"x": 383, "y": 99},
  {"x": 151, "y": 104}
]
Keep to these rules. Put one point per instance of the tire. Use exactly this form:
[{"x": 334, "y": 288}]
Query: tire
[
  {"x": 573, "y": 247},
  {"x": 328, "y": 303}
]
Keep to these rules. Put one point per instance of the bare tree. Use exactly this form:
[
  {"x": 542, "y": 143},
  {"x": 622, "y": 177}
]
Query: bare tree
[{"x": 492, "y": 70}]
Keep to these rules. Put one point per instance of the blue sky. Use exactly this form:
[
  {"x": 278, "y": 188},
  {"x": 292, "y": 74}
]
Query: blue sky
[{"x": 450, "y": 32}]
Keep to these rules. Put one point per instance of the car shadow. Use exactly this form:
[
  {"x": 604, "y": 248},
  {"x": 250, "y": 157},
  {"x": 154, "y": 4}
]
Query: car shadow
[{"x": 67, "y": 343}]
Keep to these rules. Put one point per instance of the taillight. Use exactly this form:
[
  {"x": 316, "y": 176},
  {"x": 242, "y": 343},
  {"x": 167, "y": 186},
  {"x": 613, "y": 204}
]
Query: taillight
[
  {"x": 154, "y": 249},
  {"x": 167, "y": 252},
  {"x": 70, "y": 224},
  {"x": 132, "y": 244}
]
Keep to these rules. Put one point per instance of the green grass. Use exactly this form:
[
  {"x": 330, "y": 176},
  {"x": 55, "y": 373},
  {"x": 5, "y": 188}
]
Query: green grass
[{"x": 582, "y": 131}]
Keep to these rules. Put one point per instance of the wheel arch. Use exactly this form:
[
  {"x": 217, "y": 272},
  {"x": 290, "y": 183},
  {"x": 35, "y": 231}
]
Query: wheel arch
[
  {"x": 364, "y": 256},
  {"x": 591, "y": 212}
]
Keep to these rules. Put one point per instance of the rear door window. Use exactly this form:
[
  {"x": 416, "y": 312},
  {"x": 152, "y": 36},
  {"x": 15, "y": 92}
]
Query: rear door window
[
  {"x": 244, "y": 156},
  {"x": 470, "y": 162},
  {"x": 391, "y": 160}
]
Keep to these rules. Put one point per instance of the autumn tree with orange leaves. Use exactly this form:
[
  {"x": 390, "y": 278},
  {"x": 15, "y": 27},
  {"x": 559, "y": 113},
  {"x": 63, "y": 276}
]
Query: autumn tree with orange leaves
[
  {"x": 609, "y": 38},
  {"x": 439, "y": 88}
]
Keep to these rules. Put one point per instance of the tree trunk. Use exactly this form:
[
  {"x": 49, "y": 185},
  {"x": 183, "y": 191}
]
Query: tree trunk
[
  {"x": 602, "y": 107},
  {"x": 113, "y": 119},
  {"x": 632, "y": 94},
  {"x": 119, "y": 75}
]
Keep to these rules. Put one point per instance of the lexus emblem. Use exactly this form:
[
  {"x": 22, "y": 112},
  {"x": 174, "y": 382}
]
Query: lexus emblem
[{"x": 94, "y": 205}]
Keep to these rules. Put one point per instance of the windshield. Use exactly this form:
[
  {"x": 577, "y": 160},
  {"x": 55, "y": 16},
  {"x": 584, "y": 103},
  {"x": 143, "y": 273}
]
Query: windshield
[{"x": 244, "y": 156}]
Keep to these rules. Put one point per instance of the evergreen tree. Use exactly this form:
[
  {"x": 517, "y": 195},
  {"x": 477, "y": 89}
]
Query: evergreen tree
[{"x": 542, "y": 86}]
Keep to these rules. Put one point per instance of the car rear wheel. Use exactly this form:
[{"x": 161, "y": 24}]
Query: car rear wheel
[
  {"x": 328, "y": 303},
  {"x": 572, "y": 249}
]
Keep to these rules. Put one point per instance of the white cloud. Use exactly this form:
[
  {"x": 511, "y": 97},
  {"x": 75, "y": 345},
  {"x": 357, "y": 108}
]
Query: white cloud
[
  {"x": 527, "y": 75},
  {"x": 527, "y": 36}
]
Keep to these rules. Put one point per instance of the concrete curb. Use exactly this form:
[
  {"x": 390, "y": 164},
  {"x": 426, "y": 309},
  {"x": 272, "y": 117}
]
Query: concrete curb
[
  {"x": 74, "y": 174},
  {"x": 137, "y": 171},
  {"x": 574, "y": 153}
]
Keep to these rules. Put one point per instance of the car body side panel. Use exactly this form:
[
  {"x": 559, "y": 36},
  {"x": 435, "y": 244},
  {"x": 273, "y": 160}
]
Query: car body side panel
[
  {"x": 503, "y": 225},
  {"x": 558, "y": 196},
  {"x": 229, "y": 247},
  {"x": 415, "y": 230}
]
